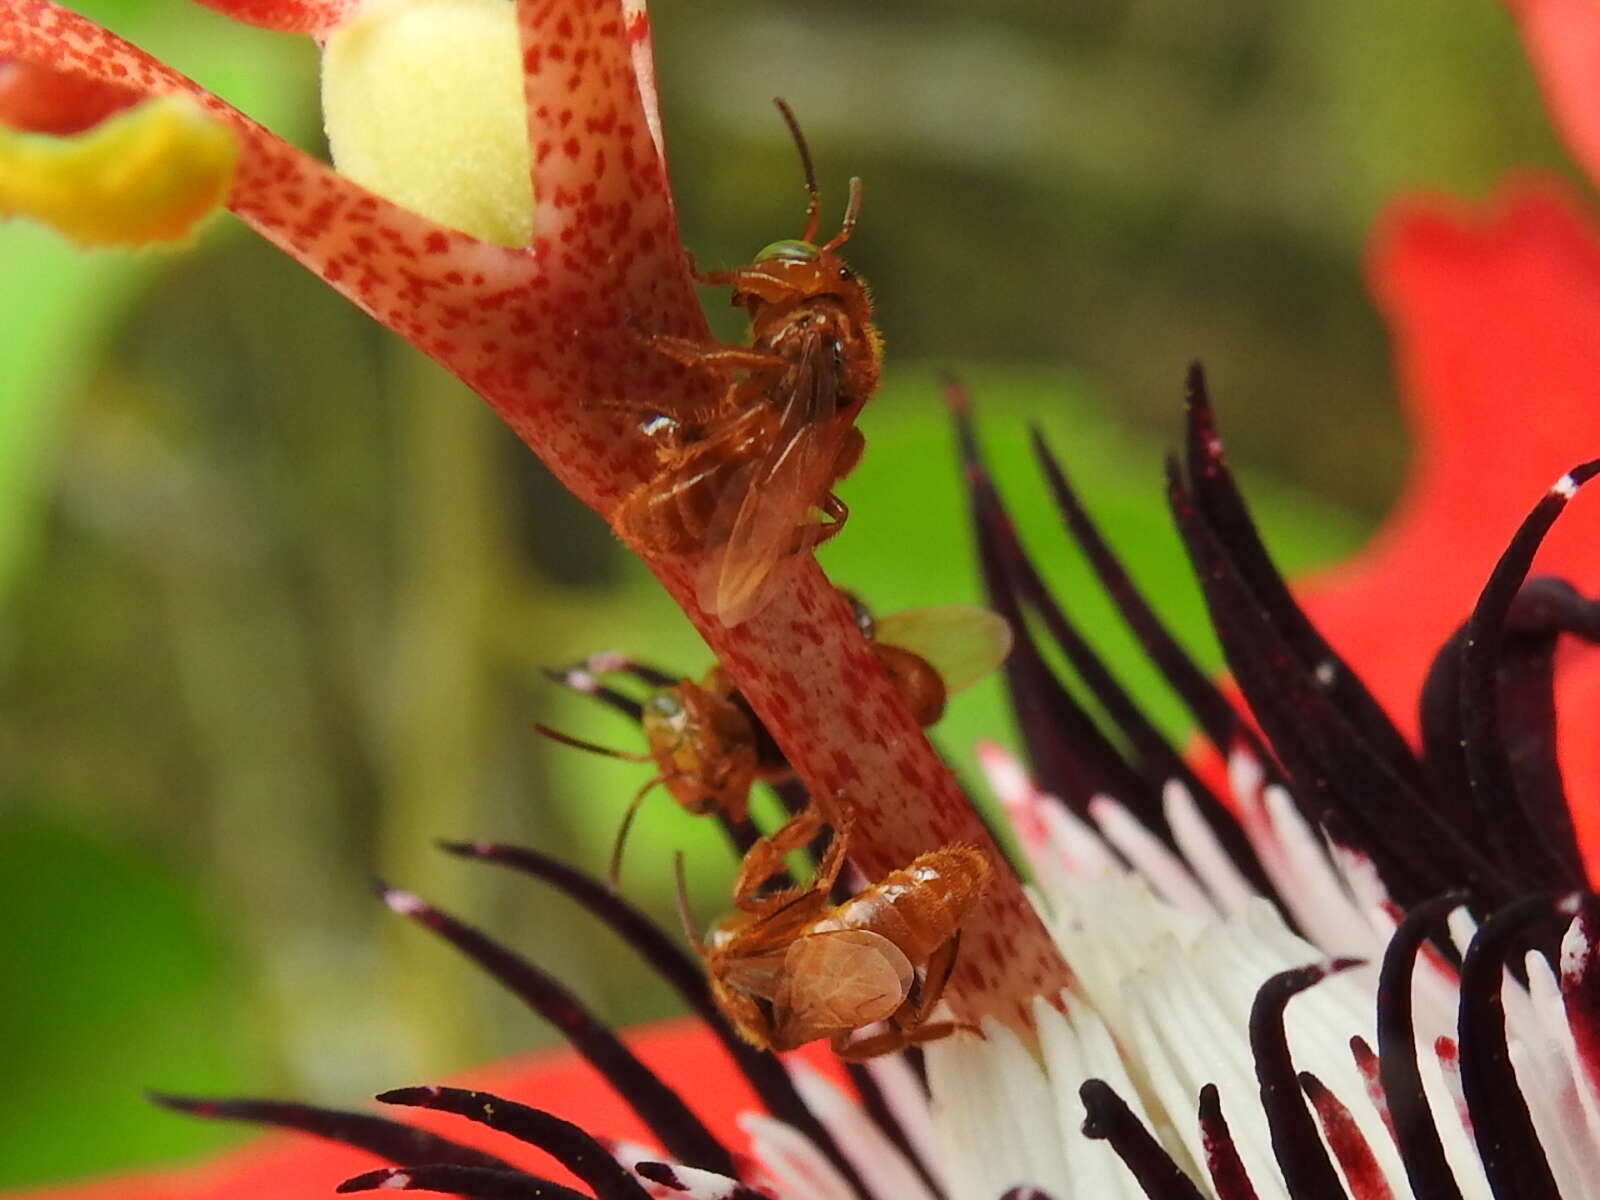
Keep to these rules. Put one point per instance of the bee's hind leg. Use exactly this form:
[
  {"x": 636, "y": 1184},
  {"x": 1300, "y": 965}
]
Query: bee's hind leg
[
  {"x": 891, "y": 1040},
  {"x": 910, "y": 1026},
  {"x": 815, "y": 532},
  {"x": 834, "y": 510}
]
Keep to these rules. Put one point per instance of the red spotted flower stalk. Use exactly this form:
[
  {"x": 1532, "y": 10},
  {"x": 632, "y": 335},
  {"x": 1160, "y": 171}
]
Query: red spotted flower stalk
[{"x": 1360, "y": 965}]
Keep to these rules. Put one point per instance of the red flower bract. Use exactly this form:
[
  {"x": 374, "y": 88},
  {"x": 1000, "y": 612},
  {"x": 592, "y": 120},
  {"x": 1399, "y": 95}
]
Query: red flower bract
[
  {"x": 1563, "y": 43},
  {"x": 1496, "y": 322},
  {"x": 292, "y": 1167},
  {"x": 39, "y": 100}
]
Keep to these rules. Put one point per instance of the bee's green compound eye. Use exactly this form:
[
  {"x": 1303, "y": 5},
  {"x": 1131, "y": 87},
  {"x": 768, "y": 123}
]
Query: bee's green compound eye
[{"x": 791, "y": 251}]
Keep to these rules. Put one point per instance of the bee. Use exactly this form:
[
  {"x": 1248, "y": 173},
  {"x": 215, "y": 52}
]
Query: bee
[
  {"x": 932, "y": 652},
  {"x": 797, "y": 968},
  {"x": 748, "y": 485},
  {"x": 709, "y": 747}
]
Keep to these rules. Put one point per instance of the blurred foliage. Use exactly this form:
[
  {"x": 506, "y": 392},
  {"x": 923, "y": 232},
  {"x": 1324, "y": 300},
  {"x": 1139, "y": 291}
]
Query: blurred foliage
[{"x": 277, "y": 595}]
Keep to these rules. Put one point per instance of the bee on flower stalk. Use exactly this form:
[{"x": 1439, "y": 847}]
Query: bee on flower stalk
[
  {"x": 794, "y": 967},
  {"x": 710, "y": 748},
  {"x": 748, "y": 485}
]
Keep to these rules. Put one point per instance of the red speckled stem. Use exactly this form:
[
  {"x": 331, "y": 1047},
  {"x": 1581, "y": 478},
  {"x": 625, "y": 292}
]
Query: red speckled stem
[{"x": 815, "y": 682}]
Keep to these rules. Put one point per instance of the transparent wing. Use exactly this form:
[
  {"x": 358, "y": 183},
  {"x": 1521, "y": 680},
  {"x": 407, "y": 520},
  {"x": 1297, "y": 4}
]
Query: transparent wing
[
  {"x": 960, "y": 641},
  {"x": 768, "y": 502}
]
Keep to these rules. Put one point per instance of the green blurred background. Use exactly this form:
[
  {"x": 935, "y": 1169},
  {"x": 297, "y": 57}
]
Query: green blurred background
[{"x": 275, "y": 592}]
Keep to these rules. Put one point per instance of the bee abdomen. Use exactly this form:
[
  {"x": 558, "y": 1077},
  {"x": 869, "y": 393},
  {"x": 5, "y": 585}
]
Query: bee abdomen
[{"x": 920, "y": 906}]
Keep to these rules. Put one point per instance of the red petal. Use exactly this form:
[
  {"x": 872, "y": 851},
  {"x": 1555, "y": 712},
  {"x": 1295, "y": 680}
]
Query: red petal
[
  {"x": 1563, "y": 42},
  {"x": 39, "y": 100},
  {"x": 291, "y": 1168},
  {"x": 1495, "y": 315}
]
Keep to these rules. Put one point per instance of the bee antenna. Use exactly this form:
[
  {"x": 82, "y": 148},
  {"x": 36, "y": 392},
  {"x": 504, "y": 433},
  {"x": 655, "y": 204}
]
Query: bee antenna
[
  {"x": 684, "y": 915},
  {"x": 813, "y": 203},
  {"x": 566, "y": 739},
  {"x": 852, "y": 210},
  {"x": 615, "y": 872}
]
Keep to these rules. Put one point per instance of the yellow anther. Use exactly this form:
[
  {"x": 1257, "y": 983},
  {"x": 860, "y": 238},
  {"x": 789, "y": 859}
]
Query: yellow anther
[{"x": 145, "y": 175}]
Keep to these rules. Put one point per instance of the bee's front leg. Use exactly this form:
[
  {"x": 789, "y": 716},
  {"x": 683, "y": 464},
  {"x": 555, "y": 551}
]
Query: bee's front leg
[
  {"x": 712, "y": 356},
  {"x": 765, "y": 858},
  {"x": 709, "y": 278}
]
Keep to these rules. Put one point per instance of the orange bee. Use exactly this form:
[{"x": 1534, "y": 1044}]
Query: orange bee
[
  {"x": 709, "y": 747},
  {"x": 794, "y": 967},
  {"x": 748, "y": 485}
]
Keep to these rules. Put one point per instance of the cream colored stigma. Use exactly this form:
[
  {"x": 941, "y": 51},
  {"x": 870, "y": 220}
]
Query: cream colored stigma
[{"x": 423, "y": 104}]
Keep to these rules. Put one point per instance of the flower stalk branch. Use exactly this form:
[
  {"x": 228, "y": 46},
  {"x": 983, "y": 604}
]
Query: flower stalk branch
[{"x": 552, "y": 335}]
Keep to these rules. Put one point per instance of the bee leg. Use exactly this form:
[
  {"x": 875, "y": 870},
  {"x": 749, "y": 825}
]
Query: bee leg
[
  {"x": 935, "y": 1030},
  {"x": 887, "y": 1042},
  {"x": 709, "y": 278},
  {"x": 870, "y": 1047},
  {"x": 814, "y": 533},
  {"x": 909, "y": 1026},
  {"x": 897, "y": 1037},
  {"x": 837, "y": 513},
  {"x": 834, "y": 510},
  {"x": 833, "y": 858},
  {"x": 891, "y": 1040},
  {"x": 925, "y": 998},
  {"x": 711, "y": 356},
  {"x": 765, "y": 858}
]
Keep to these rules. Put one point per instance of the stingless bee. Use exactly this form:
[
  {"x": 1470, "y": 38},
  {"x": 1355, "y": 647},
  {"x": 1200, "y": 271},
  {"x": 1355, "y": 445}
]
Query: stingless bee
[
  {"x": 748, "y": 485},
  {"x": 794, "y": 967},
  {"x": 709, "y": 748}
]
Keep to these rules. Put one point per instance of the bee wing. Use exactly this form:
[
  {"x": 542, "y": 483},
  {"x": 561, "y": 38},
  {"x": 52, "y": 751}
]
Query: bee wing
[
  {"x": 962, "y": 642},
  {"x": 780, "y": 919},
  {"x": 770, "y": 500},
  {"x": 837, "y": 980}
]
